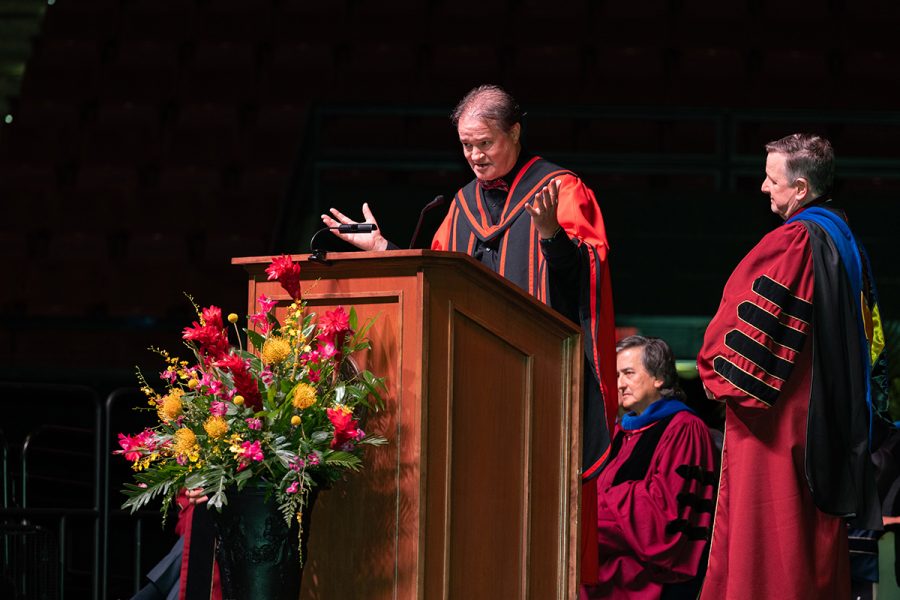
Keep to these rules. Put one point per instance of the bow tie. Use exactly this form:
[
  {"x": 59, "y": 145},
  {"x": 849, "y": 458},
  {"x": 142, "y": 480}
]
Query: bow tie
[{"x": 495, "y": 184}]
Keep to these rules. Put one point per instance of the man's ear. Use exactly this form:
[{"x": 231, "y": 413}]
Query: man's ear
[
  {"x": 515, "y": 132},
  {"x": 802, "y": 189}
]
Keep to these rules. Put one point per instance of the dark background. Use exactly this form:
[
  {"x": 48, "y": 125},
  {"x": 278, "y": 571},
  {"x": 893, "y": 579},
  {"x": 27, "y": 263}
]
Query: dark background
[{"x": 146, "y": 142}]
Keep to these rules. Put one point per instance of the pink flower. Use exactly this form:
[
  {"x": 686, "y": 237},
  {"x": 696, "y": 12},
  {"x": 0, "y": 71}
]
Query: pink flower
[
  {"x": 260, "y": 321},
  {"x": 297, "y": 464},
  {"x": 136, "y": 446},
  {"x": 217, "y": 409},
  {"x": 309, "y": 357},
  {"x": 293, "y": 488},
  {"x": 254, "y": 424},
  {"x": 345, "y": 426},
  {"x": 267, "y": 375},
  {"x": 328, "y": 350},
  {"x": 314, "y": 375},
  {"x": 251, "y": 451},
  {"x": 131, "y": 447},
  {"x": 265, "y": 303},
  {"x": 312, "y": 459},
  {"x": 287, "y": 272},
  {"x": 168, "y": 375},
  {"x": 334, "y": 328}
]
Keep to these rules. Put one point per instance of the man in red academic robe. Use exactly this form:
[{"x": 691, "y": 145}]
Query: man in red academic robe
[
  {"x": 539, "y": 226},
  {"x": 656, "y": 489},
  {"x": 791, "y": 351}
]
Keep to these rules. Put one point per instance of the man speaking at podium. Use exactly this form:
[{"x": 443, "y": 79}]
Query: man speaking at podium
[{"x": 539, "y": 226}]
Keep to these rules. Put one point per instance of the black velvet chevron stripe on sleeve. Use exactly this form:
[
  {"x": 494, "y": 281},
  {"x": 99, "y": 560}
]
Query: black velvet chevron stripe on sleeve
[
  {"x": 769, "y": 324},
  {"x": 699, "y": 504},
  {"x": 779, "y": 295},
  {"x": 689, "y": 531},
  {"x": 745, "y": 381},
  {"x": 758, "y": 354},
  {"x": 696, "y": 472}
]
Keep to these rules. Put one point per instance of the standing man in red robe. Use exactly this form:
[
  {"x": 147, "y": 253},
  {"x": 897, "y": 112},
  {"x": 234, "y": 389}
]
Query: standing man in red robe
[
  {"x": 539, "y": 226},
  {"x": 794, "y": 352}
]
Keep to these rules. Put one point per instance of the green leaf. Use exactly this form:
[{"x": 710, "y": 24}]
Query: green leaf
[
  {"x": 256, "y": 339},
  {"x": 321, "y": 436},
  {"x": 340, "y": 390}
]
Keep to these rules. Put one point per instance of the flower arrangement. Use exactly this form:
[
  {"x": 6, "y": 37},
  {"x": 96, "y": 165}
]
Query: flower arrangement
[{"x": 286, "y": 417}]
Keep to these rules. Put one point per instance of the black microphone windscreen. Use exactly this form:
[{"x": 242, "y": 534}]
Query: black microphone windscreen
[{"x": 438, "y": 201}]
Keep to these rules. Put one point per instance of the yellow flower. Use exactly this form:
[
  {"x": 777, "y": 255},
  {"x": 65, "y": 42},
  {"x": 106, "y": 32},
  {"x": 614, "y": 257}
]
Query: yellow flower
[
  {"x": 238, "y": 400},
  {"x": 169, "y": 406},
  {"x": 215, "y": 427},
  {"x": 275, "y": 350},
  {"x": 304, "y": 396},
  {"x": 295, "y": 420},
  {"x": 185, "y": 442},
  {"x": 193, "y": 383},
  {"x": 232, "y": 318}
]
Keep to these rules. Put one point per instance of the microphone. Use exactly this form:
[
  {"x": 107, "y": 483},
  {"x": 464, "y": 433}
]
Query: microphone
[
  {"x": 438, "y": 201},
  {"x": 318, "y": 254},
  {"x": 356, "y": 228}
]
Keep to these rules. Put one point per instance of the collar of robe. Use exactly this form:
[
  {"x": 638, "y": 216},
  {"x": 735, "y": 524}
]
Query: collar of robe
[{"x": 660, "y": 409}]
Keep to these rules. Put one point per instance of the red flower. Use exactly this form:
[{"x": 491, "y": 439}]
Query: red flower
[
  {"x": 211, "y": 337},
  {"x": 287, "y": 272},
  {"x": 335, "y": 321},
  {"x": 345, "y": 425},
  {"x": 212, "y": 317},
  {"x": 333, "y": 330},
  {"x": 232, "y": 362},
  {"x": 244, "y": 383}
]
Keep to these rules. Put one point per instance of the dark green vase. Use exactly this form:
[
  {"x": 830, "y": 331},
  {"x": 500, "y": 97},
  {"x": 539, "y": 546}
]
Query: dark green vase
[{"x": 256, "y": 550}]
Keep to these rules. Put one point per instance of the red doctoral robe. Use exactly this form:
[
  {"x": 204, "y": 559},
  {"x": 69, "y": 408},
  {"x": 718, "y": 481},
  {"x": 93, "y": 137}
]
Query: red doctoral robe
[
  {"x": 653, "y": 529},
  {"x": 580, "y": 289},
  {"x": 769, "y": 538}
]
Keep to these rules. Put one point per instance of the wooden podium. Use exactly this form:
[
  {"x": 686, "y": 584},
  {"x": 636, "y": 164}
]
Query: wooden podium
[{"x": 476, "y": 495}]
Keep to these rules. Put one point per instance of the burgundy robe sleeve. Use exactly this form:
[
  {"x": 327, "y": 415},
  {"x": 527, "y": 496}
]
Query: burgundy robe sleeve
[
  {"x": 662, "y": 520},
  {"x": 751, "y": 344}
]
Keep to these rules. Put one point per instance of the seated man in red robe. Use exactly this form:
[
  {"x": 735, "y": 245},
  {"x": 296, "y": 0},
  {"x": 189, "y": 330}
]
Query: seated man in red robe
[{"x": 656, "y": 489}]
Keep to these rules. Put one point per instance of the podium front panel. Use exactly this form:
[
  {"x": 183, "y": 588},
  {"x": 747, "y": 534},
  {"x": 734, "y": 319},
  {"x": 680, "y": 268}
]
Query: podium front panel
[{"x": 476, "y": 494}]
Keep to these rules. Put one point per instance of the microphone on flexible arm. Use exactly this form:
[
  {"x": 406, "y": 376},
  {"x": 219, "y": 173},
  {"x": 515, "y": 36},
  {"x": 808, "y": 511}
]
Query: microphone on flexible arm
[
  {"x": 438, "y": 201},
  {"x": 318, "y": 254}
]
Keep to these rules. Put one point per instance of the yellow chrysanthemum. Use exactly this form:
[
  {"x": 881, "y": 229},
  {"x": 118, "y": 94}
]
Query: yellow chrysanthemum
[
  {"x": 169, "y": 406},
  {"x": 295, "y": 420},
  {"x": 304, "y": 396},
  {"x": 215, "y": 427},
  {"x": 275, "y": 350},
  {"x": 185, "y": 441}
]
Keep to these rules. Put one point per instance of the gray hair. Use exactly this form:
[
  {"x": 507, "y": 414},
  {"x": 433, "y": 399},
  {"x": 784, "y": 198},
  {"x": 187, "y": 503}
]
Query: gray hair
[
  {"x": 491, "y": 103},
  {"x": 658, "y": 360},
  {"x": 809, "y": 156}
]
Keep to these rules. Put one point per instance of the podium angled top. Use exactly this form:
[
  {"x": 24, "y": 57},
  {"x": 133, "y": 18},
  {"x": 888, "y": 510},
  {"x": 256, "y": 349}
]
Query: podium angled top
[{"x": 394, "y": 263}]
